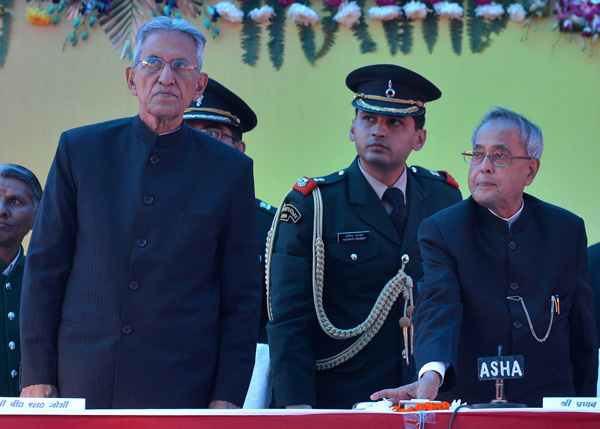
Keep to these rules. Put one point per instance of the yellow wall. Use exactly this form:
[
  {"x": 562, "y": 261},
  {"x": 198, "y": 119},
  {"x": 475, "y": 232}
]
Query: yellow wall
[{"x": 304, "y": 111}]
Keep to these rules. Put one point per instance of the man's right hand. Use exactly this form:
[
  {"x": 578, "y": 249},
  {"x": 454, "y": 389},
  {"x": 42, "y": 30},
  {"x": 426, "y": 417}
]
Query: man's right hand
[
  {"x": 40, "y": 391},
  {"x": 425, "y": 388}
]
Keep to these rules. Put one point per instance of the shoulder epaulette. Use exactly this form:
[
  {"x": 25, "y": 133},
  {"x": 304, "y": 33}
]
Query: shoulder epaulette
[
  {"x": 442, "y": 175},
  {"x": 305, "y": 185},
  {"x": 265, "y": 207}
]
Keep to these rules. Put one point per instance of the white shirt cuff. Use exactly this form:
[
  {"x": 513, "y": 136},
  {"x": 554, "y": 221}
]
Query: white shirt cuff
[{"x": 439, "y": 367}]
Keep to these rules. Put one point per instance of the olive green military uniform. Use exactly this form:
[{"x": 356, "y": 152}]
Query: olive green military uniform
[{"x": 362, "y": 252}]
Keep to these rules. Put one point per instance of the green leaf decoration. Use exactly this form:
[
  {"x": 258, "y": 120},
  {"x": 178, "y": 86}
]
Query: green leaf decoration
[
  {"x": 406, "y": 39},
  {"x": 307, "y": 39},
  {"x": 477, "y": 29},
  {"x": 251, "y": 32},
  {"x": 390, "y": 29},
  {"x": 277, "y": 32},
  {"x": 361, "y": 32},
  {"x": 430, "y": 30},
  {"x": 329, "y": 28},
  {"x": 124, "y": 20},
  {"x": 456, "y": 33},
  {"x": 5, "y": 34}
]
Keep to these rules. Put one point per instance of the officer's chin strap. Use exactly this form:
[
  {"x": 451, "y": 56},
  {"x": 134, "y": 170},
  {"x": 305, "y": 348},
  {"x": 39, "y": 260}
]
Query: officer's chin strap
[{"x": 401, "y": 283}]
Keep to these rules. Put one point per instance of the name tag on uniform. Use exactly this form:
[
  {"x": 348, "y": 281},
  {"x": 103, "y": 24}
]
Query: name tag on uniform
[{"x": 346, "y": 237}]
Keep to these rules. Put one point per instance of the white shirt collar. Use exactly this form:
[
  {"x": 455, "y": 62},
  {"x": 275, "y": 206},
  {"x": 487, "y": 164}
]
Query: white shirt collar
[
  {"x": 513, "y": 218},
  {"x": 380, "y": 188},
  {"x": 10, "y": 267}
]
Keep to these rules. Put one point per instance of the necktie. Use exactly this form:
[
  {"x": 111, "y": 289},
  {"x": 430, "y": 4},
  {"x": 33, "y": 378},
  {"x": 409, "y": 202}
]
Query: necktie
[{"x": 395, "y": 197}]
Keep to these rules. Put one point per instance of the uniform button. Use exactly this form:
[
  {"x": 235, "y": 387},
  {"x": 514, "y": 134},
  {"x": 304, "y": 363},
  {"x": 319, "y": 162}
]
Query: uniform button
[
  {"x": 154, "y": 159},
  {"x": 8, "y": 286},
  {"x": 11, "y": 316},
  {"x": 512, "y": 245},
  {"x": 14, "y": 373},
  {"x": 126, "y": 329},
  {"x": 12, "y": 345},
  {"x": 141, "y": 242},
  {"x": 517, "y": 324},
  {"x": 148, "y": 200},
  {"x": 134, "y": 285},
  {"x": 514, "y": 285},
  {"x": 354, "y": 256}
]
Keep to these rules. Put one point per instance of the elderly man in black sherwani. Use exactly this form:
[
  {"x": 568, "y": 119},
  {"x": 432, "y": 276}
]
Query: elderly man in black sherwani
[
  {"x": 503, "y": 268},
  {"x": 142, "y": 287}
]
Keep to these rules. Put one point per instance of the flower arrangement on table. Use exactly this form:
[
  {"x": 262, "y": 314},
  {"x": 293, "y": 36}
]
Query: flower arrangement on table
[{"x": 483, "y": 19}]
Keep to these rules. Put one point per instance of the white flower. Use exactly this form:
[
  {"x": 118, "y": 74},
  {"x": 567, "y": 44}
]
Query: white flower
[
  {"x": 448, "y": 10},
  {"x": 385, "y": 13},
  {"x": 262, "y": 14},
  {"x": 415, "y": 10},
  {"x": 516, "y": 12},
  {"x": 302, "y": 15},
  {"x": 348, "y": 14},
  {"x": 229, "y": 12},
  {"x": 490, "y": 11}
]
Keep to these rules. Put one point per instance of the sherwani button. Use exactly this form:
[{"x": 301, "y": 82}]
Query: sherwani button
[
  {"x": 11, "y": 316},
  {"x": 12, "y": 345}
]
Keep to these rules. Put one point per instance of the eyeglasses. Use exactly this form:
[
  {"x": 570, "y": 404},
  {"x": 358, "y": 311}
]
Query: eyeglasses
[
  {"x": 218, "y": 134},
  {"x": 179, "y": 67},
  {"x": 499, "y": 159}
]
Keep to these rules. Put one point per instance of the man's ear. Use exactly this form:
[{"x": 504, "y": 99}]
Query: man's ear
[
  {"x": 241, "y": 146},
  {"x": 352, "y": 130},
  {"x": 202, "y": 82},
  {"x": 420, "y": 139},
  {"x": 130, "y": 75},
  {"x": 532, "y": 169}
]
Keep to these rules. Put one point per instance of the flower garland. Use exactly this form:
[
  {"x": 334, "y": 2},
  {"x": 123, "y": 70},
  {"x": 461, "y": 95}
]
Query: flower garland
[{"x": 484, "y": 19}]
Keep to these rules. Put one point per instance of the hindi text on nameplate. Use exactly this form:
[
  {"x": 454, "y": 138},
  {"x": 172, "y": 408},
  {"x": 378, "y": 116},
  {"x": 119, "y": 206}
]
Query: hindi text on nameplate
[
  {"x": 10, "y": 405},
  {"x": 572, "y": 404}
]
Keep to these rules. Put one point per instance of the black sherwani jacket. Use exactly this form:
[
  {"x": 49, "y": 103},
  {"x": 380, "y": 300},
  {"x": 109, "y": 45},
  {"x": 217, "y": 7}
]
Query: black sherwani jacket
[
  {"x": 472, "y": 262},
  {"x": 355, "y": 274},
  {"x": 141, "y": 287}
]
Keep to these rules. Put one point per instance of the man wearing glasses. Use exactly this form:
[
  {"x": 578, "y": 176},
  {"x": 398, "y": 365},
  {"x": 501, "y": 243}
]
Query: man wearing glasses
[
  {"x": 503, "y": 268},
  {"x": 141, "y": 288}
]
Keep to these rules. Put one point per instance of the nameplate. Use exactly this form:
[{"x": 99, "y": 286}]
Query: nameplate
[
  {"x": 347, "y": 237},
  {"x": 500, "y": 367},
  {"x": 572, "y": 404},
  {"x": 11, "y": 405}
]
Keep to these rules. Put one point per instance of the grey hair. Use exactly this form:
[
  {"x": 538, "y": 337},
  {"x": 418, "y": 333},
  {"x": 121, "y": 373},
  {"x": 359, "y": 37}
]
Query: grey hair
[
  {"x": 531, "y": 134},
  {"x": 163, "y": 23},
  {"x": 13, "y": 171}
]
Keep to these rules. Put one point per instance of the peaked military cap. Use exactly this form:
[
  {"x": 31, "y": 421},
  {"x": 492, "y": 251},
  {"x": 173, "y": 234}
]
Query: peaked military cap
[
  {"x": 391, "y": 90},
  {"x": 221, "y": 105}
]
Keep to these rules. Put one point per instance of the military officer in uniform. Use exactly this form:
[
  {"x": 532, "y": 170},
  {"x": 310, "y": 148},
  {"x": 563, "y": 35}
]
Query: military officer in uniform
[
  {"x": 367, "y": 218},
  {"x": 20, "y": 195},
  {"x": 223, "y": 115}
]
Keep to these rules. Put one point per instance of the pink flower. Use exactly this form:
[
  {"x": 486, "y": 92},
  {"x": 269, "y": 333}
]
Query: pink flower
[
  {"x": 334, "y": 3},
  {"x": 285, "y": 2},
  {"x": 482, "y": 2}
]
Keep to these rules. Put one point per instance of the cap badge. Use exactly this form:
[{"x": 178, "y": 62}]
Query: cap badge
[{"x": 390, "y": 93}]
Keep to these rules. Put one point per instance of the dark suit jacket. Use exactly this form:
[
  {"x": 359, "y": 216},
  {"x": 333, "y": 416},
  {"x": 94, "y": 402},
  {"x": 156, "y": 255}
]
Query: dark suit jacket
[
  {"x": 472, "y": 263},
  {"x": 141, "y": 287},
  {"x": 351, "y": 287},
  {"x": 594, "y": 258},
  {"x": 10, "y": 300}
]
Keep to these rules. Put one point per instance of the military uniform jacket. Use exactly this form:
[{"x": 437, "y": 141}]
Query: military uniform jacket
[
  {"x": 472, "y": 263},
  {"x": 264, "y": 219},
  {"x": 142, "y": 287},
  {"x": 10, "y": 356},
  {"x": 355, "y": 273}
]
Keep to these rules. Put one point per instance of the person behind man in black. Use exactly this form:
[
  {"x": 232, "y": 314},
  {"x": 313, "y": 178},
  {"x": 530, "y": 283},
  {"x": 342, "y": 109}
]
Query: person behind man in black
[
  {"x": 20, "y": 194},
  {"x": 141, "y": 288},
  {"x": 365, "y": 233},
  {"x": 503, "y": 268},
  {"x": 223, "y": 115}
]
